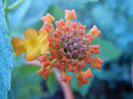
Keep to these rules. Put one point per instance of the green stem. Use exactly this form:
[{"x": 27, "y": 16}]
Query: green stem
[
  {"x": 14, "y": 5},
  {"x": 5, "y": 9},
  {"x": 6, "y": 4}
]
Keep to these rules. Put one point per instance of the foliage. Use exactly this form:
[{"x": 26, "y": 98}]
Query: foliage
[
  {"x": 6, "y": 60},
  {"x": 51, "y": 84},
  {"x": 108, "y": 50},
  {"x": 26, "y": 83}
]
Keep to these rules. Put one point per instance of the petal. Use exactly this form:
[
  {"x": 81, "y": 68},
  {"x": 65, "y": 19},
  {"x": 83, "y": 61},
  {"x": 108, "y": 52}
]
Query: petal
[
  {"x": 18, "y": 45},
  {"x": 42, "y": 38},
  {"x": 81, "y": 81},
  {"x": 31, "y": 34},
  {"x": 86, "y": 74},
  {"x": 66, "y": 78},
  {"x": 95, "y": 32},
  {"x": 41, "y": 71},
  {"x": 97, "y": 63},
  {"x": 43, "y": 58},
  {"x": 60, "y": 23},
  {"x": 94, "y": 49},
  {"x": 46, "y": 73},
  {"x": 48, "y": 18},
  {"x": 46, "y": 64},
  {"x": 70, "y": 14},
  {"x": 54, "y": 53},
  {"x": 69, "y": 78},
  {"x": 42, "y": 35},
  {"x": 32, "y": 54},
  {"x": 44, "y": 47}
]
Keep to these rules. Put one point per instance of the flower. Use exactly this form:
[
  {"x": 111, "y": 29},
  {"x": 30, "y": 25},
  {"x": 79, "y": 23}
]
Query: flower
[
  {"x": 70, "y": 49},
  {"x": 33, "y": 45}
]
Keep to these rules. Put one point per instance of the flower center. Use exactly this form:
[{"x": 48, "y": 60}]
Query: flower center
[{"x": 73, "y": 43}]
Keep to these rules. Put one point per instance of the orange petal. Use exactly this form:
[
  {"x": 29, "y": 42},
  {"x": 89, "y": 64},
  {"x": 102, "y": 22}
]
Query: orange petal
[
  {"x": 70, "y": 14},
  {"x": 48, "y": 18},
  {"x": 47, "y": 26},
  {"x": 97, "y": 63},
  {"x": 46, "y": 73},
  {"x": 86, "y": 74},
  {"x": 54, "y": 53},
  {"x": 95, "y": 32},
  {"x": 32, "y": 54},
  {"x": 41, "y": 71},
  {"x": 90, "y": 36},
  {"x": 94, "y": 49},
  {"x": 51, "y": 42},
  {"x": 69, "y": 78},
  {"x": 18, "y": 45},
  {"x": 43, "y": 57},
  {"x": 66, "y": 78},
  {"x": 44, "y": 47},
  {"x": 31, "y": 34},
  {"x": 69, "y": 68},
  {"x": 61, "y": 67},
  {"x": 42, "y": 38},
  {"x": 89, "y": 60},
  {"x": 60, "y": 23},
  {"x": 81, "y": 81},
  {"x": 42, "y": 35},
  {"x": 46, "y": 64},
  {"x": 58, "y": 64}
]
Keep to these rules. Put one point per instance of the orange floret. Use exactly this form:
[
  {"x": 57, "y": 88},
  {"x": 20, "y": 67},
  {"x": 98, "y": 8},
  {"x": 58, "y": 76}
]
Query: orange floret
[
  {"x": 95, "y": 32},
  {"x": 97, "y": 63},
  {"x": 60, "y": 23},
  {"x": 48, "y": 18},
  {"x": 70, "y": 14},
  {"x": 86, "y": 74},
  {"x": 81, "y": 81},
  {"x": 94, "y": 49},
  {"x": 54, "y": 53},
  {"x": 66, "y": 78}
]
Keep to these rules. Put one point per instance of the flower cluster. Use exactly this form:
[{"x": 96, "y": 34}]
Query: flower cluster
[{"x": 69, "y": 47}]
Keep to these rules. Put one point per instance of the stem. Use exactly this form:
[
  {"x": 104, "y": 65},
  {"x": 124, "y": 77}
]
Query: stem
[
  {"x": 14, "y": 5},
  {"x": 68, "y": 94},
  {"x": 6, "y": 4},
  {"x": 53, "y": 63},
  {"x": 66, "y": 89},
  {"x": 5, "y": 10},
  {"x": 68, "y": 21},
  {"x": 35, "y": 62}
]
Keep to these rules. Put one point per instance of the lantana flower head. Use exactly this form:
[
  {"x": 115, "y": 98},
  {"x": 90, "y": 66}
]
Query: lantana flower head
[{"x": 69, "y": 47}]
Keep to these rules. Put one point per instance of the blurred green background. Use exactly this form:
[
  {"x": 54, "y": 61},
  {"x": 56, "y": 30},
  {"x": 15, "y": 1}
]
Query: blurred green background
[{"x": 115, "y": 20}]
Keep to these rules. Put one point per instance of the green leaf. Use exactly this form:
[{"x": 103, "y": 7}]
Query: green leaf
[
  {"x": 56, "y": 12},
  {"x": 28, "y": 69},
  {"x": 6, "y": 60},
  {"x": 51, "y": 84},
  {"x": 108, "y": 50},
  {"x": 26, "y": 83}
]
